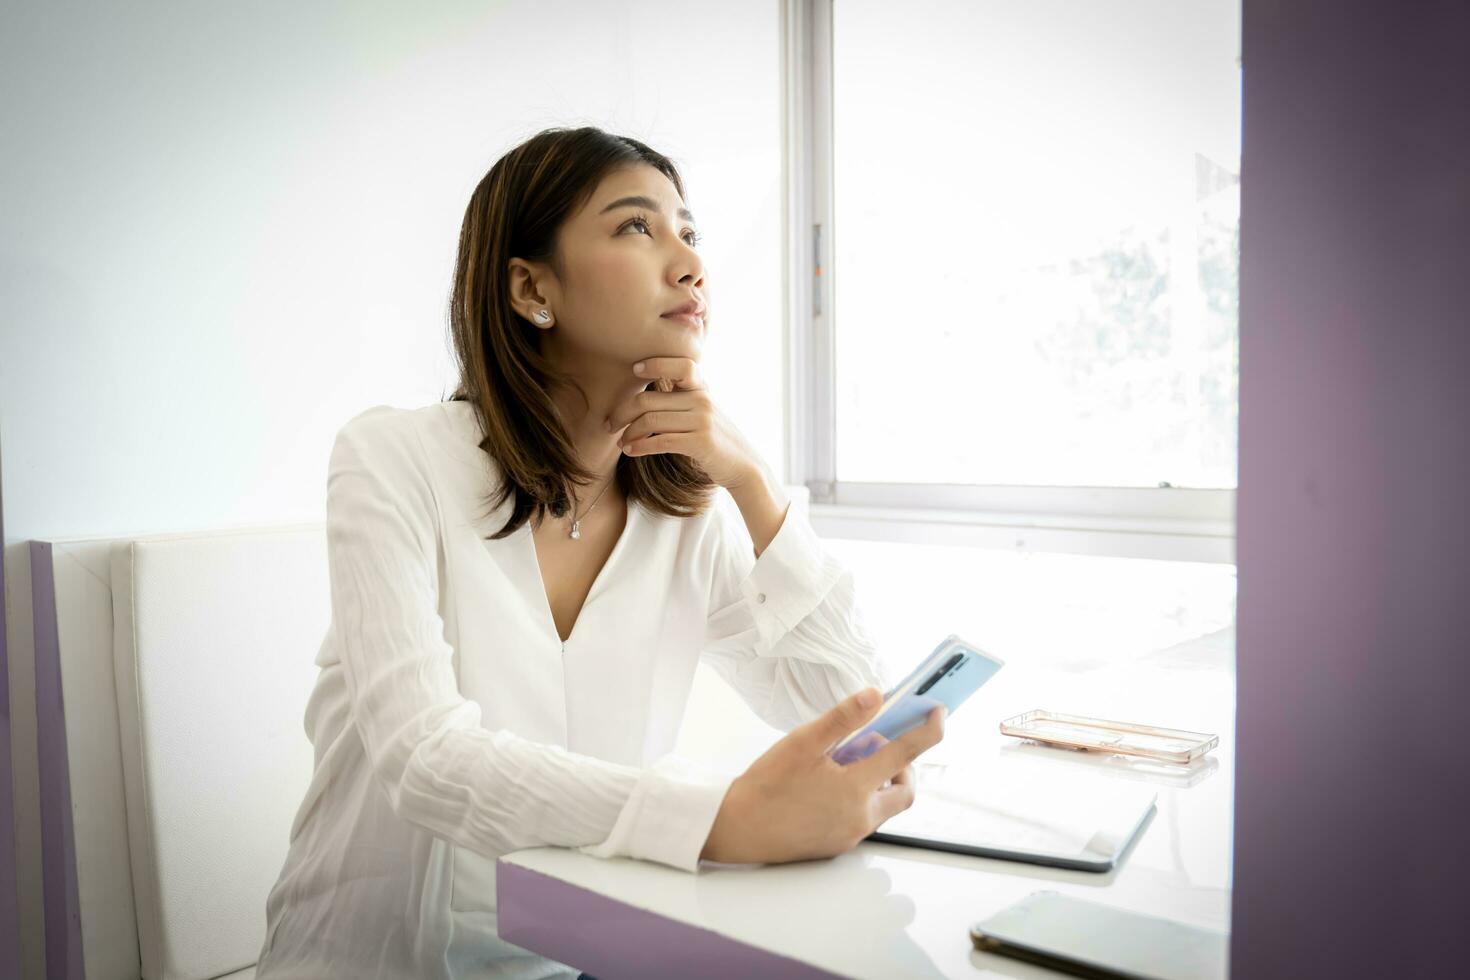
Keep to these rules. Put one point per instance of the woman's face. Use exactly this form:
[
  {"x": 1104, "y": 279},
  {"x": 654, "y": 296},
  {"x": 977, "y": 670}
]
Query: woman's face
[{"x": 628, "y": 257}]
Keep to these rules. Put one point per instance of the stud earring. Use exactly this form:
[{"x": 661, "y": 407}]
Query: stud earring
[{"x": 543, "y": 317}]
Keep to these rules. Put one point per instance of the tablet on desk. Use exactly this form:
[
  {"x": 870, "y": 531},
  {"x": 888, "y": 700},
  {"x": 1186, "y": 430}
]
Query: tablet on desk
[{"x": 1016, "y": 814}]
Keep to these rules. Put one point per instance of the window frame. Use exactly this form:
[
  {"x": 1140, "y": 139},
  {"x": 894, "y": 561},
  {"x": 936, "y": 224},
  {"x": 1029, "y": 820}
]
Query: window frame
[{"x": 1175, "y": 523}]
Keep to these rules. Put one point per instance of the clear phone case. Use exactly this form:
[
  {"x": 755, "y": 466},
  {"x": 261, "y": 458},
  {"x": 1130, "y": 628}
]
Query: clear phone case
[{"x": 1101, "y": 735}]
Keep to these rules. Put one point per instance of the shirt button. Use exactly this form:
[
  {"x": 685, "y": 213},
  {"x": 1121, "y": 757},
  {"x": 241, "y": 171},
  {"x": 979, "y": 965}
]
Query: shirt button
[{"x": 760, "y": 597}]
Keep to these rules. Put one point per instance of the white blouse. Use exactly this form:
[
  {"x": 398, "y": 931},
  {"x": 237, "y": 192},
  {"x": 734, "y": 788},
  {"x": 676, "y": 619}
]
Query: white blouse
[{"x": 452, "y": 725}]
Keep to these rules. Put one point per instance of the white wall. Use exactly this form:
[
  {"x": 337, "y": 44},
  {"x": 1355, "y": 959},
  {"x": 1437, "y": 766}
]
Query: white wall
[{"x": 225, "y": 229}]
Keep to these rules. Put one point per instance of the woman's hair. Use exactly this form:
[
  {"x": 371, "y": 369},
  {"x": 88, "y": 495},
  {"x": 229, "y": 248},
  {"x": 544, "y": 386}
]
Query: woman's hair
[{"x": 516, "y": 212}]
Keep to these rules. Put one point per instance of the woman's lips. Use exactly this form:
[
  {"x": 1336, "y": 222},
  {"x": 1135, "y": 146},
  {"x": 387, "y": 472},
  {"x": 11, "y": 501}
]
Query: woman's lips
[{"x": 688, "y": 319}]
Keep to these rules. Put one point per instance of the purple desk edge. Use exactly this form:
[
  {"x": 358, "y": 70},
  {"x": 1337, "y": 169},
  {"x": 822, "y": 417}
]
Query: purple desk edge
[{"x": 610, "y": 939}]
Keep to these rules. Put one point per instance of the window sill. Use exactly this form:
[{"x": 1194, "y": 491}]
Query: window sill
[{"x": 1172, "y": 539}]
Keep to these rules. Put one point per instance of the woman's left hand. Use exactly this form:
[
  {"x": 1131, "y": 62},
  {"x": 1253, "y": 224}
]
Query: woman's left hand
[{"x": 684, "y": 420}]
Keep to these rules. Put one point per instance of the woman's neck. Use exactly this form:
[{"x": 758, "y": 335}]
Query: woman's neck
[{"x": 609, "y": 386}]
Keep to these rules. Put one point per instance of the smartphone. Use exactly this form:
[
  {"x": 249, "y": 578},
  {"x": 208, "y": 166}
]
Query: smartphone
[
  {"x": 1088, "y": 939},
  {"x": 948, "y": 676}
]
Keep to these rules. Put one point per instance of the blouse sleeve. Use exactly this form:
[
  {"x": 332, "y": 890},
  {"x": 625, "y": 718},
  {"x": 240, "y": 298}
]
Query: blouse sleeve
[
  {"x": 785, "y": 629},
  {"x": 491, "y": 791}
]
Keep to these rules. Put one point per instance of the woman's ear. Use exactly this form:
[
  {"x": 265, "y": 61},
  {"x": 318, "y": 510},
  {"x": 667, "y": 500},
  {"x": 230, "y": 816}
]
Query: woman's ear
[{"x": 527, "y": 293}]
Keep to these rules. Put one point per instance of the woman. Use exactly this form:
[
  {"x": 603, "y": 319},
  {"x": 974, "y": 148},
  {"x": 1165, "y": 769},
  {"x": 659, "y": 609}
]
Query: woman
[{"x": 523, "y": 579}]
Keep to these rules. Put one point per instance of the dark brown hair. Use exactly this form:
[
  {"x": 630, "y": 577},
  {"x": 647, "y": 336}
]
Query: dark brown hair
[{"x": 517, "y": 212}]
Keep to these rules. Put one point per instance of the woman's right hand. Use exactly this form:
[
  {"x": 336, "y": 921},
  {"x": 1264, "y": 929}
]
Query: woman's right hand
[{"x": 795, "y": 802}]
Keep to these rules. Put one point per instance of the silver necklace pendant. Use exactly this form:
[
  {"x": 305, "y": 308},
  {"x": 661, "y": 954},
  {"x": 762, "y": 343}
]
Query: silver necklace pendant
[{"x": 576, "y": 531}]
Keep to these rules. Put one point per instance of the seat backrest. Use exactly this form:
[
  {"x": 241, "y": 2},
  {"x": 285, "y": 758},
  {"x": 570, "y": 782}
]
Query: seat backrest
[
  {"x": 214, "y": 641},
  {"x": 182, "y": 666}
]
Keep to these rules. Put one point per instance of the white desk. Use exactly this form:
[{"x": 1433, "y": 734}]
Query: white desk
[{"x": 884, "y": 910}]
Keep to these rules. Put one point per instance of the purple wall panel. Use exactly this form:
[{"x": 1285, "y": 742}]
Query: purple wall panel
[
  {"x": 1353, "y": 785},
  {"x": 58, "y": 845},
  {"x": 613, "y": 941},
  {"x": 9, "y": 873}
]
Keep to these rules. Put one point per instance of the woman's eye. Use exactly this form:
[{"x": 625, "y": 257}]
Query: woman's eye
[{"x": 691, "y": 237}]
